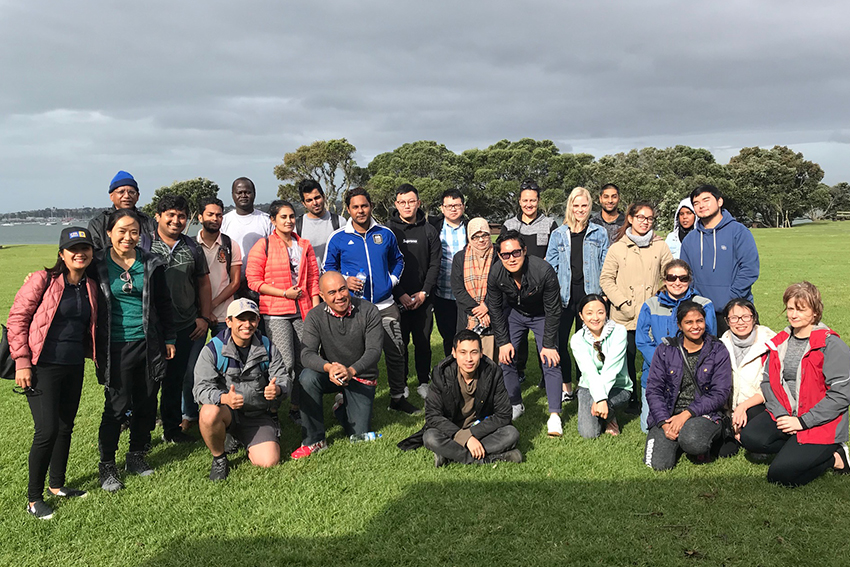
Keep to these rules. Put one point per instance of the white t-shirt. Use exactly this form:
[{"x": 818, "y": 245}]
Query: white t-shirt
[{"x": 246, "y": 230}]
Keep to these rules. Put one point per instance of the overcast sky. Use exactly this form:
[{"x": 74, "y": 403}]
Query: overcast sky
[{"x": 176, "y": 90}]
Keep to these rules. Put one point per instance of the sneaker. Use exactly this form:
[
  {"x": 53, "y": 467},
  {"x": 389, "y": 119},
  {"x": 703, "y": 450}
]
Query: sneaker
[
  {"x": 67, "y": 492},
  {"x": 567, "y": 396},
  {"x": 440, "y": 460},
  {"x": 188, "y": 424},
  {"x": 521, "y": 376},
  {"x": 231, "y": 444},
  {"x": 512, "y": 456},
  {"x": 40, "y": 510},
  {"x": 556, "y": 429},
  {"x": 516, "y": 411},
  {"x": 401, "y": 404},
  {"x": 295, "y": 416},
  {"x": 307, "y": 450},
  {"x": 612, "y": 427},
  {"x": 136, "y": 464},
  {"x": 844, "y": 455},
  {"x": 108, "y": 476},
  {"x": 422, "y": 390},
  {"x": 220, "y": 468},
  {"x": 178, "y": 438}
]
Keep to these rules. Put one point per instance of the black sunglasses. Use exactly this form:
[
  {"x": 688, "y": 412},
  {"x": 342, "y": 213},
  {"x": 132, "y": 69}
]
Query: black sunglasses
[
  {"x": 507, "y": 255},
  {"x": 29, "y": 391}
]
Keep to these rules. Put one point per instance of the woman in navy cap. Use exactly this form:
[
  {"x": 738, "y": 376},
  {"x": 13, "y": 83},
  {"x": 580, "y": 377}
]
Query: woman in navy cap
[{"x": 51, "y": 330}]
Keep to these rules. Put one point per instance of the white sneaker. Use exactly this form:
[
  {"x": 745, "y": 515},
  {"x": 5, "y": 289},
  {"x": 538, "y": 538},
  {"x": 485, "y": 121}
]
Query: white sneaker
[
  {"x": 554, "y": 426},
  {"x": 422, "y": 390},
  {"x": 516, "y": 411}
]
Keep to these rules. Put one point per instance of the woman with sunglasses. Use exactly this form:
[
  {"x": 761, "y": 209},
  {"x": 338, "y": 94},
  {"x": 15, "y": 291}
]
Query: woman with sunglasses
[
  {"x": 746, "y": 340},
  {"x": 470, "y": 269},
  {"x": 600, "y": 352},
  {"x": 577, "y": 251},
  {"x": 631, "y": 274},
  {"x": 806, "y": 388},
  {"x": 689, "y": 382},
  {"x": 51, "y": 330},
  {"x": 657, "y": 319},
  {"x": 136, "y": 330}
]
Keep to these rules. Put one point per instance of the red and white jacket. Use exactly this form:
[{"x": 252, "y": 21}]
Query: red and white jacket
[{"x": 269, "y": 264}]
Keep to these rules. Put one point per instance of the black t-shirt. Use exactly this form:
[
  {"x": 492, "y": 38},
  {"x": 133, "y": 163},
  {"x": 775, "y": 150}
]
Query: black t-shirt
[
  {"x": 577, "y": 266},
  {"x": 687, "y": 391},
  {"x": 68, "y": 334},
  {"x": 243, "y": 352}
]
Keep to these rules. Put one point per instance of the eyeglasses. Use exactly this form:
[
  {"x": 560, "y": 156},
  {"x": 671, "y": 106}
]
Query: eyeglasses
[
  {"x": 407, "y": 203},
  {"x": 641, "y": 218},
  {"x": 128, "y": 282},
  {"x": 597, "y": 346},
  {"x": 743, "y": 318},
  {"x": 127, "y": 192},
  {"x": 481, "y": 236},
  {"x": 673, "y": 277},
  {"x": 513, "y": 253},
  {"x": 454, "y": 207}
]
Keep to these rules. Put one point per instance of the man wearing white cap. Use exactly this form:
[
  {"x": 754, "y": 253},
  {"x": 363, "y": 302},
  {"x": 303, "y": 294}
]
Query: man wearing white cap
[{"x": 240, "y": 380}]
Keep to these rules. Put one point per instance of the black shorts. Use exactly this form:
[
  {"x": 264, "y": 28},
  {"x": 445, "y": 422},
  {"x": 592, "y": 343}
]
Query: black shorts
[{"x": 253, "y": 430}]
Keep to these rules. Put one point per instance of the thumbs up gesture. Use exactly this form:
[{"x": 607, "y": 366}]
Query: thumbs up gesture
[
  {"x": 232, "y": 398},
  {"x": 271, "y": 391}
]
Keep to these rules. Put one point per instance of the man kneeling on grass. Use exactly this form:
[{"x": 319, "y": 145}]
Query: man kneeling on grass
[
  {"x": 467, "y": 411},
  {"x": 236, "y": 381}
]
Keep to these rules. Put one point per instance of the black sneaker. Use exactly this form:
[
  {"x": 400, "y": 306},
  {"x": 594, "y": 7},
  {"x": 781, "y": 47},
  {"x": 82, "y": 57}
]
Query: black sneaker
[
  {"x": 521, "y": 376},
  {"x": 295, "y": 416},
  {"x": 68, "y": 492},
  {"x": 220, "y": 468},
  {"x": 231, "y": 444},
  {"x": 108, "y": 475},
  {"x": 136, "y": 464},
  {"x": 178, "y": 437},
  {"x": 512, "y": 456},
  {"x": 440, "y": 460},
  {"x": 401, "y": 404},
  {"x": 40, "y": 510}
]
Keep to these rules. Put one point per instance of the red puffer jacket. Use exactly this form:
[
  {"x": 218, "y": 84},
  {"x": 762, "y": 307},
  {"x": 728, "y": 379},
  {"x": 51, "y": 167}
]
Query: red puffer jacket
[
  {"x": 272, "y": 267},
  {"x": 32, "y": 314}
]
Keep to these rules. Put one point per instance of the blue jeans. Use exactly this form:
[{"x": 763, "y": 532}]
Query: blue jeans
[
  {"x": 189, "y": 406},
  {"x": 644, "y": 411}
]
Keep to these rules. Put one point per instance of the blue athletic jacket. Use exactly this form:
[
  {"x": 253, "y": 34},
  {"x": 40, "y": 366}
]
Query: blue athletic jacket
[
  {"x": 724, "y": 260},
  {"x": 657, "y": 319},
  {"x": 376, "y": 253}
]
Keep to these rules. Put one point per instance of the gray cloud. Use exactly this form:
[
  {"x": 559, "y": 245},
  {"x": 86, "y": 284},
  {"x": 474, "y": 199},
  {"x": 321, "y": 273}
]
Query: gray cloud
[{"x": 216, "y": 89}]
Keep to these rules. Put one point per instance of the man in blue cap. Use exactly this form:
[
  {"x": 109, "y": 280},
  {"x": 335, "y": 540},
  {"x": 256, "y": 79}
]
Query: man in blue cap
[{"x": 124, "y": 194}]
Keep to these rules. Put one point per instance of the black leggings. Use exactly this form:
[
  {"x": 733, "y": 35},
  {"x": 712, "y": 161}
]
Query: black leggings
[
  {"x": 53, "y": 409},
  {"x": 631, "y": 355},
  {"x": 569, "y": 316},
  {"x": 795, "y": 463}
]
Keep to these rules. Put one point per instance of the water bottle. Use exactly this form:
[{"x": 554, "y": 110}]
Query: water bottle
[
  {"x": 368, "y": 436},
  {"x": 361, "y": 275}
]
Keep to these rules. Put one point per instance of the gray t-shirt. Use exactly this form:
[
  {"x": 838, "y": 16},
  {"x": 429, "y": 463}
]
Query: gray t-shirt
[
  {"x": 791, "y": 363},
  {"x": 317, "y": 231}
]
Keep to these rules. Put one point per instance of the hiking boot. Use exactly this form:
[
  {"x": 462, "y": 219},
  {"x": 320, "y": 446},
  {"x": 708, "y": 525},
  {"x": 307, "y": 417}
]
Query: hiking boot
[
  {"x": 178, "y": 438},
  {"x": 136, "y": 464},
  {"x": 516, "y": 411},
  {"x": 108, "y": 476},
  {"x": 220, "y": 468},
  {"x": 307, "y": 450},
  {"x": 67, "y": 492},
  {"x": 40, "y": 510},
  {"x": 401, "y": 404},
  {"x": 512, "y": 456}
]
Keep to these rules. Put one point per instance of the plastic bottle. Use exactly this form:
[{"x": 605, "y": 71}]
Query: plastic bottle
[
  {"x": 361, "y": 275},
  {"x": 368, "y": 436}
]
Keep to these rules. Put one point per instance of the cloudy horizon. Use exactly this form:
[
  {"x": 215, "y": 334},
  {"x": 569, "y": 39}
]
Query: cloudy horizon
[{"x": 172, "y": 91}]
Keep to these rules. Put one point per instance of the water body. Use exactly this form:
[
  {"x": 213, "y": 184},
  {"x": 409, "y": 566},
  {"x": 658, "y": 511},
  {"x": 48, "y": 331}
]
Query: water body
[{"x": 41, "y": 234}]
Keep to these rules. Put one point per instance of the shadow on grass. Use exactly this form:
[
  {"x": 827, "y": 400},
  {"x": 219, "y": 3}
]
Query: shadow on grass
[{"x": 471, "y": 523}]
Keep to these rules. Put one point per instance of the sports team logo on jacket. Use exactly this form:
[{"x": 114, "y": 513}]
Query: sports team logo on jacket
[{"x": 377, "y": 239}]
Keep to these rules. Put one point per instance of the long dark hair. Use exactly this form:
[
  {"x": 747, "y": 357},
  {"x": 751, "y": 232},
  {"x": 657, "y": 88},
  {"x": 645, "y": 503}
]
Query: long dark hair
[{"x": 58, "y": 269}]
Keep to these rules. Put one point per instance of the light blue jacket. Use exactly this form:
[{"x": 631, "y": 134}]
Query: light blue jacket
[{"x": 594, "y": 250}]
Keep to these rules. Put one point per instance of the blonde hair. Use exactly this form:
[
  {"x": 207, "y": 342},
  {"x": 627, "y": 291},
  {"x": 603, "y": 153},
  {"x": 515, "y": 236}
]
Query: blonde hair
[
  {"x": 806, "y": 293},
  {"x": 569, "y": 217}
]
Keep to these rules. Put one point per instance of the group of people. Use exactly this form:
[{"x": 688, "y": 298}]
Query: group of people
[{"x": 304, "y": 306}]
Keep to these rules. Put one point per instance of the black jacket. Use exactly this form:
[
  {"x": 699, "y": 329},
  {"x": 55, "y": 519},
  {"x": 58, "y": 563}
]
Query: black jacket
[
  {"x": 420, "y": 245},
  {"x": 539, "y": 294},
  {"x": 444, "y": 402},
  {"x": 97, "y": 227},
  {"x": 157, "y": 316}
]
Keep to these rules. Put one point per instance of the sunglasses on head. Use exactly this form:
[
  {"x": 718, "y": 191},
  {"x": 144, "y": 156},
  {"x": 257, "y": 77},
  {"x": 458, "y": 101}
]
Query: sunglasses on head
[
  {"x": 671, "y": 278},
  {"x": 513, "y": 253}
]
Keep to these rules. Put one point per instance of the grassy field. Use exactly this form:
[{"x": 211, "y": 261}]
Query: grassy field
[{"x": 573, "y": 501}]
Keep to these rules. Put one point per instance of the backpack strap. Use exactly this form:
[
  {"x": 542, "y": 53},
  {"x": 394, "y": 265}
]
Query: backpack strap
[
  {"x": 264, "y": 366},
  {"x": 299, "y": 224},
  {"x": 227, "y": 246},
  {"x": 335, "y": 221},
  {"x": 221, "y": 362}
]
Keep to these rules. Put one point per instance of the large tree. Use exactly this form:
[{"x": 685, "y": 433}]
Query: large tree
[
  {"x": 330, "y": 162},
  {"x": 192, "y": 189}
]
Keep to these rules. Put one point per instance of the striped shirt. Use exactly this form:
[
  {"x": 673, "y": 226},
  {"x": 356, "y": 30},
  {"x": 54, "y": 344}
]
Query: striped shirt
[{"x": 453, "y": 241}]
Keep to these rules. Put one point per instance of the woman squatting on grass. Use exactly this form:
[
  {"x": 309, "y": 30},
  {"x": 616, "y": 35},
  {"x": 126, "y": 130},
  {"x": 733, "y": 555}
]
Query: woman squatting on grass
[
  {"x": 599, "y": 349},
  {"x": 806, "y": 388},
  {"x": 51, "y": 331},
  {"x": 689, "y": 382}
]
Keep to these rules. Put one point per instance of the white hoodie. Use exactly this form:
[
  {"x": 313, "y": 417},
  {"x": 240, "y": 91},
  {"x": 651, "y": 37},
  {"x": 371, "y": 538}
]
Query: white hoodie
[{"x": 673, "y": 238}]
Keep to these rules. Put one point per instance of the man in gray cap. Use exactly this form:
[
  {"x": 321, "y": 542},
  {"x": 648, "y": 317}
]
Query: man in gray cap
[
  {"x": 240, "y": 380},
  {"x": 124, "y": 194}
]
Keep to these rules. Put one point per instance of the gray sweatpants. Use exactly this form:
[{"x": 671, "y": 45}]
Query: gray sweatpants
[
  {"x": 695, "y": 438},
  {"x": 590, "y": 426}
]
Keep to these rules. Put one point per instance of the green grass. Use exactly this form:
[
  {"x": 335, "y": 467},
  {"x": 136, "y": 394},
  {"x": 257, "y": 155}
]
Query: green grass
[{"x": 572, "y": 502}]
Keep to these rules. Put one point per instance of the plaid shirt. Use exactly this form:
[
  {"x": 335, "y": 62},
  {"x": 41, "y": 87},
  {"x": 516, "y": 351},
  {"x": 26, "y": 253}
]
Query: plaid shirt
[{"x": 453, "y": 241}]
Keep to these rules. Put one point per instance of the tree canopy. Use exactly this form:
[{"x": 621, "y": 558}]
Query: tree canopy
[{"x": 192, "y": 189}]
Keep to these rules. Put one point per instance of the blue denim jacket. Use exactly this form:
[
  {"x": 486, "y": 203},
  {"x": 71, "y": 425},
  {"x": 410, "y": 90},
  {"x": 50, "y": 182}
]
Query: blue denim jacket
[{"x": 594, "y": 250}]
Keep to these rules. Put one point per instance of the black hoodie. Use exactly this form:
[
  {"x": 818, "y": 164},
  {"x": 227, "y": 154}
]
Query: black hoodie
[{"x": 420, "y": 245}]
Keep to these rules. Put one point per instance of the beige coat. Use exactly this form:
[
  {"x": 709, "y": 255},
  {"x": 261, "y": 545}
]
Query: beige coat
[{"x": 631, "y": 275}]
